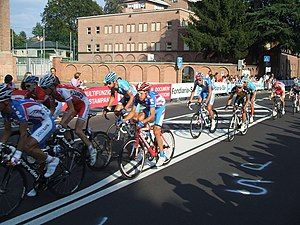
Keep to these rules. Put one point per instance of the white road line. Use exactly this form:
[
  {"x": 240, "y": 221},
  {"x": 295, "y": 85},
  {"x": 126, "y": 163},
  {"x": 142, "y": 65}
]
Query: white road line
[{"x": 84, "y": 201}]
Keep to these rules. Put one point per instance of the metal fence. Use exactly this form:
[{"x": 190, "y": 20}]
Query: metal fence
[{"x": 36, "y": 66}]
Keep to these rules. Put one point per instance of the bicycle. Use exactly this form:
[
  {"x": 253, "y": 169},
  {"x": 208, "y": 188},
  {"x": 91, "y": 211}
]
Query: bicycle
[
  {"x": 200, "y": 119},
  {"x": 236, "y": 122},
  {"x": 100, "y": 140},
  {"x": 277, "y": 107},
  {"x": 295, "y": 103},
  {"x": 13, "y": 180},
  {"x": 135, "y": 151}
]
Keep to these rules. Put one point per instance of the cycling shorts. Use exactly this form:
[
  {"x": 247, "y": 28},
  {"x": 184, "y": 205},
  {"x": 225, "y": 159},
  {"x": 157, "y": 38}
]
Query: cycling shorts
[
  {"x": 240, "y": 100},
  {"x": 82, "y": 109},
  {"x": 159, "y": 115},
  {"x": 204, "y": 95},
  {"x": 42, "y": 131},
  {"x": 123, "y": 101}
]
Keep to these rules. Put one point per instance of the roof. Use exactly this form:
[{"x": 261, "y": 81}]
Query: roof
[
  {"x": 48, "y": 44},
  {"x": 160, "y": 2}
]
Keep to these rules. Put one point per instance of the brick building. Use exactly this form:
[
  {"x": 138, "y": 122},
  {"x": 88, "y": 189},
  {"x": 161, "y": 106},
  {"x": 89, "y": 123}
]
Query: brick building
[
  {"x": 7, "y": 61},
  {"x": 148, "y": 30}
]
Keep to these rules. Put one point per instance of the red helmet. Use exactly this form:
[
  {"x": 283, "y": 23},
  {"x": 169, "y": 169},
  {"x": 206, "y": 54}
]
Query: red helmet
[
  {"x": 144, "y": 86},
  {"x": 199, "y": 76}
]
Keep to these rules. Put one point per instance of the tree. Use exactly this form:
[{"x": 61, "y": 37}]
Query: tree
[
  {"x": 217, "y": 30},
  {"x": 37, "y": 31},
  {"x": 59, "y": 17},
  {"x": 113, "y": 6},
  {"x": 19, "y": 39}
]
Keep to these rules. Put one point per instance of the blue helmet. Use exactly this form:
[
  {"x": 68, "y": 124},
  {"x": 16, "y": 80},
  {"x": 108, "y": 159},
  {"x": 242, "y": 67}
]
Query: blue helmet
[
  {"x": 31, "y": 79},
  {"x": 110, "y": 77},
  {"x": 245, "y": 79},
  {"x": 297, "y": 83},
  {"x": 47, "y": 81}
]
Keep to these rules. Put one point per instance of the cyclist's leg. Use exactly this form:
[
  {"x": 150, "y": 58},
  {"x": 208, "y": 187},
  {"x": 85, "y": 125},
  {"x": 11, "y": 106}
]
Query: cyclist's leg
[
  {"x": 211, "y": 105},
  {"x": 158, "y": 121},
  {"x": 252, "y": 100},
  {"x": 82, "y": 111}
]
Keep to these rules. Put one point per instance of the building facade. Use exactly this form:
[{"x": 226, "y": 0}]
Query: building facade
[{"x": 146, "y": 31}]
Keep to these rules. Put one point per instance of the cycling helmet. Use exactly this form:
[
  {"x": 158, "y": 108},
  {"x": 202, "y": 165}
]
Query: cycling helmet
[
  {"x": 47, "y": 81},
  {"x": 239, "y": 83},
  {"x": 297, "y": 83},
  {"x": 110, "y": 77},
  {"x": 31, "y": 79},
  {"x": 144, "y": 86},
  {"x": 245, "y": 79},
  {"x": 199, "y": 76},
  {"x": 5, "y": 92}
]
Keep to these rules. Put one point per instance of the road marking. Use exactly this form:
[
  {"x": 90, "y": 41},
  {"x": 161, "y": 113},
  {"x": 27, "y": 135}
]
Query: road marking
[{"x": 90, "y": 198}]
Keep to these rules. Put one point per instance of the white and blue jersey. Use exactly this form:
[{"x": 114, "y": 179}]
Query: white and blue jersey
[
  {"x": 153, "y": 100},
  {"x": 124, "y": 88},
  {"x": 27, "y": 110},
  {"x": 203, "y": 90},
  {"x": 251, "y": 87}
]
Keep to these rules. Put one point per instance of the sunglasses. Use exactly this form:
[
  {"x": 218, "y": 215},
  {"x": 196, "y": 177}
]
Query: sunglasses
[
  {"x": 108, "y": 83},
  {"x": 141, "y": 92},
  {"x": 27, "y": 85}
]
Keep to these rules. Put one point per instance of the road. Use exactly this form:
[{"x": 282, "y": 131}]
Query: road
[{"x": 252, "y": 180}]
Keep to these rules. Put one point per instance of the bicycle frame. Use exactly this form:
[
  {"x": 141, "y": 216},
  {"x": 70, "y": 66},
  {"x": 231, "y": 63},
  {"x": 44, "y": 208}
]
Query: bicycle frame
[{"x": 141, "y": 137}]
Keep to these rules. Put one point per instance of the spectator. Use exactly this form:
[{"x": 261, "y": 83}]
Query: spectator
[
  {"x": 8, "y": 80},
  {"x": 22, "y": 82},
  {"x": 53, "y": 72},
  {"x": 76, "y": 82}
]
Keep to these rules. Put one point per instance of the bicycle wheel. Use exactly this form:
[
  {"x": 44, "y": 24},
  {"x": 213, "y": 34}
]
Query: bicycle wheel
[
  {"x": 169, "y": 144},
  {"x": 247, "y": 124},
  {"x": 232, "y": 129},
  {"x": 196, "y": 125},
  {"x": 279, "y": 109},
  {"x": 69, "y": 173},
  {"x": 12, "y": 189},
  {"x": 114, "y": 132},
  {"x": 131, "y": 160},
  {"x": 102, "y": 143},
  {"x": 216, "y": 118}
]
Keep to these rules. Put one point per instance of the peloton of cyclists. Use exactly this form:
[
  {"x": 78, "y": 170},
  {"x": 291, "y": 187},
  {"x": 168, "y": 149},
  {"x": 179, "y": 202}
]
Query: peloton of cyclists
[
  {"x": 242, "y": 98},
  {"x": 204, "y": 87}
]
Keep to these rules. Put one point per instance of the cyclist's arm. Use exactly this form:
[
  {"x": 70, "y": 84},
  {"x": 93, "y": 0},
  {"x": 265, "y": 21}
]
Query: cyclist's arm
[
  {"x": 131, "y": 114},
  {"x": 131, "y": 98},
  {"x": 247, "y": 101},
  {"x": 69, "y": 113},
  {"x": 7, "y": 132},
  {"x": 23, "y": 135},
  {"x": 193, "y": 93},
  {"x": 111, "y": 98},
  {"x": 151, "y": 117},
  {"x": 229, "y": 100}
]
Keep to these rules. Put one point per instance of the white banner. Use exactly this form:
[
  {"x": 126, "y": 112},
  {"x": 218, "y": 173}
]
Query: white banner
[
  {"x": 181, "y": 90},
  {"x": 220, "y": 87}
]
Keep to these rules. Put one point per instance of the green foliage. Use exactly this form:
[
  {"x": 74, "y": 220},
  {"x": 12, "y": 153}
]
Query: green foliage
[
  {"x": 113, "y": 6},
  {"x": 19, "y": 40},
  {"x": 218, "y": 30},
  {"x": 37, "y": 31},
  {"x": 59, "y": 17}
]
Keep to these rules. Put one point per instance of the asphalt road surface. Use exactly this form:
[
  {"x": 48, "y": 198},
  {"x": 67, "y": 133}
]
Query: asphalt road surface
[{"x": 252, "y": 180}]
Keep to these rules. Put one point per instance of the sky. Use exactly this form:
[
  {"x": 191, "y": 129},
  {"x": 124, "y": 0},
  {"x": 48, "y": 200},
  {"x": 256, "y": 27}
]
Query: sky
[{"x": 24, "y": 14}]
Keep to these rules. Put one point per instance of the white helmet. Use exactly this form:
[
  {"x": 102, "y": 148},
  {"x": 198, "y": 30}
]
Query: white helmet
[
  {"x": 5, "y": 92},
  {"x": 47, "y": 81}
]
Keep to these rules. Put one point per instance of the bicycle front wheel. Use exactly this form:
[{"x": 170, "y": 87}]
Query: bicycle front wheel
[
  {"x": 69, "y": 173},
  {"x": 169, "y": 144},
  {"x": 102, "y": 143},
  {"x": 131, "y": 159},
  {"x": 196, "y": 125},
  {"x": 232, "y": 129},
  {"x": 12, "y": 189}
]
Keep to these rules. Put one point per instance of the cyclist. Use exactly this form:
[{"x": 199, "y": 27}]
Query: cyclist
[
  {"x": 205, "y": 93},
  {"x": 118, "y": 85},
  {"x": 25, "y": 111},
  {"x": 278, "y": 89},
  {"x": 78, "y": 104},
  {"x": 295, "y": 90},
  {"x": 154, "y": 111},
  {"x": 242, "y": 98},
  {"x": 250, "y": 86}
]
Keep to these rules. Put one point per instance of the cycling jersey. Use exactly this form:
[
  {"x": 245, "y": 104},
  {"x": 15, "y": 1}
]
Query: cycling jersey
[
  {"x": 80, "y": 101},
  {"x": 279, "y": 88},
  {"x": 37, "y": 94},
  {"x": 251, "y": 87},
  {"x": 295, "y": 89},
  {"x": 203, "y": 90},
  {"x": 153, "y": 100},
  {"x": 19, "y": 94},
  {"x": 27, "y": 110}
]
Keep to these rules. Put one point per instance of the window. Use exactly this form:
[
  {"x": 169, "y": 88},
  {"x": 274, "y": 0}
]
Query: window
[
  {"x": 184, "y": 23},
  {"x": 132, "y": 28},
  {"x": 105, "y": 47},
  {"x": 97, "y": 30},
  {"x": 132, "y": 47},
  {"x": 168, "y": 46},
  {"x": 89, "y": 48},
  {"x": 152, "y": 46},
  {"x": 116, "y": 47},
  {"x": 121, "y": 29},
  {"x": 110, "y": 47},
  {"x": 121, "y": 49},
  {"x": 186, "y": 47},
  {"x": 117, "y": 29},
  {"x": 145, "y": 46},
  {"x": 110, "y": 29},
  {"x": 155, "y": 26},
  {"x": 89, "y": 30},
  {"x": 169, "y": 25},
  {"x": 157, "y": 46},
  {"x": 140, "y": 27},
  {"x": 105, "y": 29},
  {"x": 128, "y": 28},
  {"x": 174, "y": 1},
  {"x": 128, "y": 47},
  {"x": 97, "y": 47},
  {"x": 140, "y": 48},
  {"x": 145, "y": 27}
]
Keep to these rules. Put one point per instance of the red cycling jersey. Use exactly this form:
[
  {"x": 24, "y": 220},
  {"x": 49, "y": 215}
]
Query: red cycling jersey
[
  {"x": 37, "y": 94},
  {"x": 279, "y": 88},
  {"x": 19, "y": 94}
]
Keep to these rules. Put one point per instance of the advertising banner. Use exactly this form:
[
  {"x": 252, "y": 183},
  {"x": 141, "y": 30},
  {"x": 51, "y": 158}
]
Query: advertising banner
[
  {"x": 99, "y": 96},
  {"x": 163, "y": 89},
  {"x": 220, "y": 87},
  {"x": 181, "y": 90}
]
